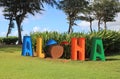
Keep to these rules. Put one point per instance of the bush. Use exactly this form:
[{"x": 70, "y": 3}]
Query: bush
[
  {"x": 1, "y": 40},
  {"x": 111, "y": 40},
  {"x": 10, "y": 40}
]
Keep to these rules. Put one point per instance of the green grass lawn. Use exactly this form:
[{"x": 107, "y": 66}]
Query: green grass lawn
[{"x": 15, "y": 66}]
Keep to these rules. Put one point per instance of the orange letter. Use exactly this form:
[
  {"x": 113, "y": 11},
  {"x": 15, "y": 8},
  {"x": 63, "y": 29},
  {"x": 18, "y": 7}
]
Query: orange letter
[{"x": 78, "y": 49}]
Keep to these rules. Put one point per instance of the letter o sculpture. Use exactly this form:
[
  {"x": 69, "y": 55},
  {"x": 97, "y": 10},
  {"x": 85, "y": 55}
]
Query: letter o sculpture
[{"x": 56, "y": 51}]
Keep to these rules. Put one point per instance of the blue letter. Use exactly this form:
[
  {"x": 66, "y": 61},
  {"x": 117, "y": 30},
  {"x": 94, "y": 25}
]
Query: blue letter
[{"x": 27, "y": 46}]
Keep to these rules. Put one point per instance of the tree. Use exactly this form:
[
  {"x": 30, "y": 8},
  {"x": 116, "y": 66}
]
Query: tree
[
  {"x": 105, "y": 11},
  {"x": 72, "y": 8},
  {"x": 97, "y": 7},
  {"x": 20, "y": 8},
  {"x": 11, "y": 25},
  {"x": 88, "y": 16},
  {"x": 111, "y": 8},
  {"x": 7, "y": 14}
]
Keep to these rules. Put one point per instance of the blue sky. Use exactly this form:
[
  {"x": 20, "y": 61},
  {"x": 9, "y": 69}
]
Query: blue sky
[{"x": 50, "y": 20}]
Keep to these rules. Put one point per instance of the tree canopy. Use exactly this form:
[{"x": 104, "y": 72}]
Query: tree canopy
[
  {"x": 105, "y": 10},
  {"x": 72, "y": 8},
  {"x": 18, "y": 10}
]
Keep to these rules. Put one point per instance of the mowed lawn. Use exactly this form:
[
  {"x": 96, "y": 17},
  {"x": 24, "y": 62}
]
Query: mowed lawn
[{"x": 15, "y": 66}]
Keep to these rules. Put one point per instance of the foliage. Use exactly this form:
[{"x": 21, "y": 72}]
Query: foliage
[
  {"x": 88, "y": 15},
  {"x": 1, "y": 40},
  {"x": 105, "y": 11},
  {"x": 72, "y": 8},
  {"x": 10, "y": 40},
  {"x": 111, "y": 40},
  {"x": 18, "y": 9}
]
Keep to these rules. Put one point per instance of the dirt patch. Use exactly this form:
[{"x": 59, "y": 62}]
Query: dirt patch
[{"x": 58, "y": 60}]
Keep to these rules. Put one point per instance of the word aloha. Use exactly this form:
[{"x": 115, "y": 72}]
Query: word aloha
[{"x": 77, "y": 48}]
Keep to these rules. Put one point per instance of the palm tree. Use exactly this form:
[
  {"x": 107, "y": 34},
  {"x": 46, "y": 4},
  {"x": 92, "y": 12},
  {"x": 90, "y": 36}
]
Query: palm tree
[
  {"x": 20, "y": 8},
  {"x": 88, "y": 16},
  {"x": 72, "y": 8},
  {"x": 105, "y": 11},
  {"x": 8, "y": 15},
  {"x": 111, "y": 8},
  {"x": 97, "y": 7},
  {"x": 11, "y": 25}
]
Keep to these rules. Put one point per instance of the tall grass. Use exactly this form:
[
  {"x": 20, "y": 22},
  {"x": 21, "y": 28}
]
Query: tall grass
[{"x": 111, "y": 39}]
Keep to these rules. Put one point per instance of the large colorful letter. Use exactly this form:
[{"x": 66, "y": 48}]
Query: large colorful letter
[
  {"x": 39, "y": 48},
  {"x": 97, "y": 50},
  {"x": 27, "y": 46},
  {"x": 78, "y": 49}
]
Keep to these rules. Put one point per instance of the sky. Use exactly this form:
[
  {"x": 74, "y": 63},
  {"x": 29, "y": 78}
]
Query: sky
[{"x": 51, "y": 19}]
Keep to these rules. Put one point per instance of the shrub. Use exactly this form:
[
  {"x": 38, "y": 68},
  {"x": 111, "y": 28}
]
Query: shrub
[
  {"x": 10, "y": 40},
  {"x": 111, "y": 40},
  {"x": 1, "y": 40}
]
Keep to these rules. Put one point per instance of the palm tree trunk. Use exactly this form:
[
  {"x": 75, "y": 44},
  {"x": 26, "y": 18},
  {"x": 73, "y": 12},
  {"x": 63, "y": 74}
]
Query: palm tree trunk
[
  {"x": 91, "y": 26},
  {"x": 9, "y": 28},
  {"x": 19, "y": 30},
  {"x": 70, "y": 29},
  {"x": 70, "y": 26},
  {"x": 105, "y": 25},
  {"x": 8, "y": 32},
  {"x": 99, "y": 25}
]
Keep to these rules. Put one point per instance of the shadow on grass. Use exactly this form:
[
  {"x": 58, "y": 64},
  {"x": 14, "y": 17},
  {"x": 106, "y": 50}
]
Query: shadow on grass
[
  {"x": 112, "y": 54},
  {"x": 112, "y": 59},
  {"x": 10, "y": 48},
  {"x": 107, "y": 59},
  {"x": 6, "y": 51}
]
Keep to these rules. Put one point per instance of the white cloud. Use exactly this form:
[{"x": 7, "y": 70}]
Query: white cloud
[
  {"x": 1, "y": 14},
  {"x": 84, "y": 25},
  {"x": 38, "y": 29},
  {"x": 115, "y": 25},
  {"x": 30, "y": 18},
  {"x": 1, "y": 9}
]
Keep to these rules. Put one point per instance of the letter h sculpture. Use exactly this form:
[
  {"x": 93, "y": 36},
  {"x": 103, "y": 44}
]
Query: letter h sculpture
[{"x": 78, "y": 49}]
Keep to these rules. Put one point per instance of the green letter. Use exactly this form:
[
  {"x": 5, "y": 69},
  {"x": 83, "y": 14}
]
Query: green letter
[{"x": 97, "y": 49}]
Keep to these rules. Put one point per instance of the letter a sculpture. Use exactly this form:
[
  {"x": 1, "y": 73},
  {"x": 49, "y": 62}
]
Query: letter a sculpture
[
  {"x": 27, "y": 46},
  {"x": 97, "y": 50}
]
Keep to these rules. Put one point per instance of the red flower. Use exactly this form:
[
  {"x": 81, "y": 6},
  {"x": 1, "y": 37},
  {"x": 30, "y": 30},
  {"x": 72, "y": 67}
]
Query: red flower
[{"x": 64, "y": 43}]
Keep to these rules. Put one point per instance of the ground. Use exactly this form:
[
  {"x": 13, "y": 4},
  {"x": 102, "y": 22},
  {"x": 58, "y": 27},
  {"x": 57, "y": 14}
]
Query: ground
[{"x": 15, "y": 66}]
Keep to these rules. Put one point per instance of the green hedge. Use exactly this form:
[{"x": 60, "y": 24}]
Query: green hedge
[
  {"x": 111, "y": 40},
  {"x": 1, "y": 40},
  {"x": 10, "y": 40}
]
